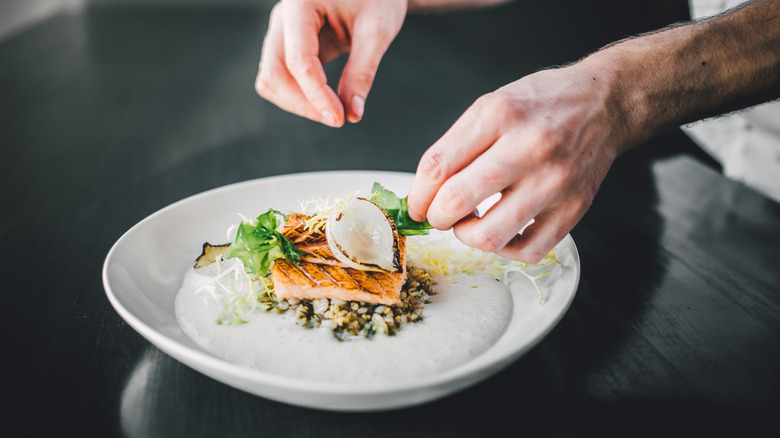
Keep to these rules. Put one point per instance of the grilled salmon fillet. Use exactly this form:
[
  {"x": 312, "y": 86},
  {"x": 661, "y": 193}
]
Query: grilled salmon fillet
[
  {"x": 313, "y": 242},
  {"x": 321, "y": 275}
]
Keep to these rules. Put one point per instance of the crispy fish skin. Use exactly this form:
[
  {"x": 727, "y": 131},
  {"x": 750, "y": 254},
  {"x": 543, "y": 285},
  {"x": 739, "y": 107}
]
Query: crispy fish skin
[{"x": 321, "y": 275}]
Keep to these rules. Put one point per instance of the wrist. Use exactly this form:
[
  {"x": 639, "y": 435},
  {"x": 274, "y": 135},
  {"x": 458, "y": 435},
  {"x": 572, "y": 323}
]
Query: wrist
[
  {"x": 615, "y": 78},
  {"x": 688, "y": 72}
]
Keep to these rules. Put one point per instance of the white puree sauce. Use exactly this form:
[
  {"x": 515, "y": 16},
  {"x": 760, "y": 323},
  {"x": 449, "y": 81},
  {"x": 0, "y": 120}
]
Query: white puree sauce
[{"x": 466, "y": 316}]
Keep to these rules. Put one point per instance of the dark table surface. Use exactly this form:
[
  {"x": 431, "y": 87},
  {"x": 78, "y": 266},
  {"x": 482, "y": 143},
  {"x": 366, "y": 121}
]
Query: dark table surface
[{"x": 108, "y": 115}]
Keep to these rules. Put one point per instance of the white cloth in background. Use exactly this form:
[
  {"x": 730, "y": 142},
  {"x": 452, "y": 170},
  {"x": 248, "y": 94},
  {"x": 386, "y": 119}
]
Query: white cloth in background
[{"x": 747, "y": 143}]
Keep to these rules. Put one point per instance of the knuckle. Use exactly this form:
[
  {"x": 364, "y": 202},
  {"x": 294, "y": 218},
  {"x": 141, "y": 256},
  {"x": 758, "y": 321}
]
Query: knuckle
[
  {"x": 496, "y": 107},
  {"x": 543, "y": 139},
  {"x": 532, "y": 255},
  {"x": 487, "y": 239},
  {"x": 582, "y": 199},
  {"x": 511, "y": 162},
  {"x": 453, "y": 199},
  {"x": 299, "y": 65},
  {"x": 294, "y": 62},
  {"x": 495, "y": 177},
  {"x": 363, "y": 78},
  {"x": 582, "y": 202},
  {"x": 310, "y": 68},
  {"x": 542, "y": 146},
  {"x": 432, "y": 166},
  {"x": 384, "y": 30},
  {"x": 493, "y": 101},
  {"x": 264, "y": 85},
  {"x": 557, "y": 180}
]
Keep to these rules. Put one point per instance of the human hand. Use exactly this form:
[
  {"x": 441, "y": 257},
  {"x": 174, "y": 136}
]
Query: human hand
[
  {"x": 303, "y": 35},
  {"x": 544, "y": 142}
]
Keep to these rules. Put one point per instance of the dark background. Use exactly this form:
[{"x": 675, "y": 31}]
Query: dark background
[{"x": 111, "y": 112}]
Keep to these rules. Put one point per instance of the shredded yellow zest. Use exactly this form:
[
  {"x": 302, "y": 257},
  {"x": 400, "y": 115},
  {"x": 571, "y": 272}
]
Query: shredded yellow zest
[
  {"x": 265, "y": 284},
  {"x": 444, "y": 257},
  {"x": 319, "y": 209}
]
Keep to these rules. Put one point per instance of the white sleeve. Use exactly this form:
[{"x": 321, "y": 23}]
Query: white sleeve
[{"x": 747, "y": 143}]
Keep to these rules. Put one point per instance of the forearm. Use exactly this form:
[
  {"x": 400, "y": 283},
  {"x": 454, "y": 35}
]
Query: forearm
[
  {"x": 447, "y": 5},
  {"x": 688, "y": 72}
]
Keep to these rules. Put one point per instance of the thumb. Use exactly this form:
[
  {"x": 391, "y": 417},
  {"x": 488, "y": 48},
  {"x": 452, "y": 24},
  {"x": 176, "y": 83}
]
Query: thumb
[{"x": 368, "y": 47}]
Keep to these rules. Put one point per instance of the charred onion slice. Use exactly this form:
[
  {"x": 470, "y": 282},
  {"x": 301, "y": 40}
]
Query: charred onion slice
[
  {"x": 363, "y": 236},
  {"x": 210, "y": 254}
]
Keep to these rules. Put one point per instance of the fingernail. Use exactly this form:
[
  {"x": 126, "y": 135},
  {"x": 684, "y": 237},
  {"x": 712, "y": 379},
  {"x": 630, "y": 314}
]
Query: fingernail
[
  {"x": 329, "y": 118},
  {"x": 358, "y": 104}
]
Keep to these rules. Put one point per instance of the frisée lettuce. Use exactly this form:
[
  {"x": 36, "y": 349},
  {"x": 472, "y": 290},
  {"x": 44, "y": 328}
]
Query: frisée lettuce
[{"x": 259, "y": 243}]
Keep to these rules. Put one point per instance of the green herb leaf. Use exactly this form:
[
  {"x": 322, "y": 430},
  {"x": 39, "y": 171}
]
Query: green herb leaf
[
  {"x": 398, "y": 209},
  {"x": 259, "y": 244}
]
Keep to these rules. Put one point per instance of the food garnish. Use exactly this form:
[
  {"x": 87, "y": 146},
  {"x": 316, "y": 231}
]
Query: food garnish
[
  {"x": 259, "y": 243},
  {"x": 211, "y": 253},
  {"x": 363, "y": 236},
  {"x": 442, "y": 256},
  {"x": 398, "y": 210},
  {"x": 341, "y": 265}
]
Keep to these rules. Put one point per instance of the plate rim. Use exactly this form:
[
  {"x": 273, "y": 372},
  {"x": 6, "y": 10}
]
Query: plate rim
[{"x": 177, "y": 350}]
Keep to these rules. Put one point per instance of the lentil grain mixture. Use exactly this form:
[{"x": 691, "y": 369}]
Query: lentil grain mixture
[{"x": 356, "y": 318}]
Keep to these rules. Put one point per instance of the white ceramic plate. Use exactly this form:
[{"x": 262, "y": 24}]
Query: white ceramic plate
[{"x": 144, "y": 270}]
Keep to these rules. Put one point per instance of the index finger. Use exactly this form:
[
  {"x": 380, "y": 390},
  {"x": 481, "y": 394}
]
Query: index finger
[
  {"x": 301, "y": 51},
  {"x": 468, "y": 138},
  {"x": 274, "y": 82}
]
